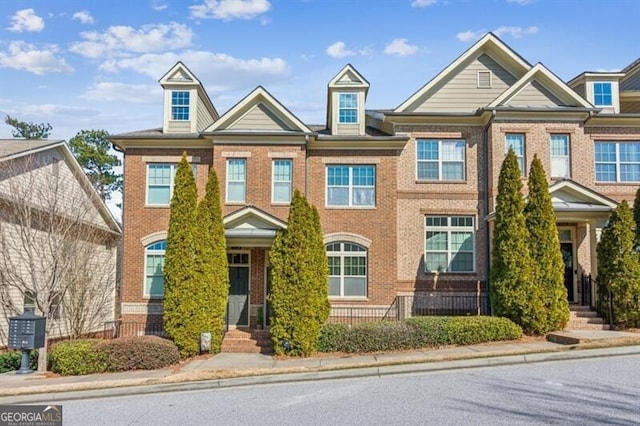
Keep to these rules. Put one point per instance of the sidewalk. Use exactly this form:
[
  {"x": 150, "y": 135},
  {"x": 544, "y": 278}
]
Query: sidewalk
[{"x": 228, "y": 369}]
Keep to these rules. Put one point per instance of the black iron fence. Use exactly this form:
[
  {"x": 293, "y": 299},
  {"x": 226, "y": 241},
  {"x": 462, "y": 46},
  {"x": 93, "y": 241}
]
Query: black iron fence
[
  {"x": 118, "y": 328},
  {"x": 421, "y": 304},
  {"x": 586, "y": 288}
]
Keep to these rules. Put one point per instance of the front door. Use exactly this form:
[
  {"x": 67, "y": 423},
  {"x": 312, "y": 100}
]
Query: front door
[
  {"x": 567, "y": 257},
  {"x": 239, "y": 295}
]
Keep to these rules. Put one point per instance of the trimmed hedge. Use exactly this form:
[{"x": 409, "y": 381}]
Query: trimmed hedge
[
  {"x": 90, "y": 356},
  {"x": 139, "y": 353},
  {"x": 77, "y": 357},
  {"x": 416, "y": 333},
  {"x": 11, "y": 361}
]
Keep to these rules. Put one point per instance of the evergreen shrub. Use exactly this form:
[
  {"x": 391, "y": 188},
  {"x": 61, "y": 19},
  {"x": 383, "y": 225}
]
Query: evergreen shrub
[
  {"x": 77, "y": 357},
  {"x": 139, "y": 353}
]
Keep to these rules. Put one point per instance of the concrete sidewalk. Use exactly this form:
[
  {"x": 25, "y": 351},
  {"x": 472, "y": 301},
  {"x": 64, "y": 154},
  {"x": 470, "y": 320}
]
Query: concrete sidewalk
[{"x": 229, "y": 369}]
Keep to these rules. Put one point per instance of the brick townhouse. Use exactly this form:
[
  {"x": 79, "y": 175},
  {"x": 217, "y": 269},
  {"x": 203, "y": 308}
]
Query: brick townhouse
[{"x": 405, "y": 195}]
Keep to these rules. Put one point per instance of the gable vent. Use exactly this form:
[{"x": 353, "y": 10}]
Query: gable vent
[{"x": 484, "y": 79}]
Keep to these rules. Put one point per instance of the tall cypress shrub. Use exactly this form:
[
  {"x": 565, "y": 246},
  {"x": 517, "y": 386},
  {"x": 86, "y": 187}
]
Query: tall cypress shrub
[
  {"x": 179, "y": 305},
  {"x": 544, "y": 246},
  {"x": 619, "y": 267},
  {"x": 513, "y": 294},
  {"x": 299, "y": 294},
  {"x": 212, "y": 270}
]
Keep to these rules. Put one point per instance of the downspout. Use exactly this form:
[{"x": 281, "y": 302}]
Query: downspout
[
  {"x": 306, "y": 166},
  {"x": 485, "y": 137}
]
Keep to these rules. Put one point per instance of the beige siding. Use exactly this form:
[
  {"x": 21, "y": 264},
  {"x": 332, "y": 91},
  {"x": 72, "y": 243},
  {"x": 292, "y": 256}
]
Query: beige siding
[
  {"x": 347, "y": 129},
  {"x": 580, "y": 90},
  {"x": 534, "y": 95},
  {"x": 203, "y": 116},
  {"x": 179, "y": 127},
  {"x": 631, "y": 107},
  {"x": 259, "y": 118},
  {"x": 461, "y": 93}
]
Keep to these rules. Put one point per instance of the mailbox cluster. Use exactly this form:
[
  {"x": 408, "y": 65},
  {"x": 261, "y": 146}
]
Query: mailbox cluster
[{"x": 26, "y": 331}]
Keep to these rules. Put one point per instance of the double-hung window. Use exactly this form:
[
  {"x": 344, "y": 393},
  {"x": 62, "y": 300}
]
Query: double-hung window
[
  {"x": 348, "y": 108},
  {"x": 154, "y": 264},
  {"x": 516, "y": 141},
  {"x": 281, "y": 192},
  {"x": 602, "y": 94},
  {"x": 617, "y": 161},
  {"x": 440, "y": 159},
  {"x": 180, "y": 105},
  {"x": 236, "y": 180},
  {"x": 347, "y": 270},
  {"x": 560, "y": 156},
  {"x": 449, "y": 244},
  {"x": 160, "y": 180},
  {"x": 351, "y": 186}
]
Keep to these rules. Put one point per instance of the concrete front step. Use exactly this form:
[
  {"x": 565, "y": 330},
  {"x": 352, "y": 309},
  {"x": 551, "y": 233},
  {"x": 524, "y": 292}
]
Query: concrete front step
[
  {"x": 583, "y": 318},
  {"x": 583, "y": 314}
]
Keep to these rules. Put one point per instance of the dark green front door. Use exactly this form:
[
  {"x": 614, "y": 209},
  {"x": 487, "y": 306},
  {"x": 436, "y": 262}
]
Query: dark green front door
[{"x": 239, "y": 295}]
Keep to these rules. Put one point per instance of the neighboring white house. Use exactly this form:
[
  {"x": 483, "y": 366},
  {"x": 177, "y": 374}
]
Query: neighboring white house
[{"x": 58, "y": 240}]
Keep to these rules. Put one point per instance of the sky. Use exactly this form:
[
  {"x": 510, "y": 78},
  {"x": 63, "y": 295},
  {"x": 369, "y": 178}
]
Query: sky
[{"x": 96, "y": 64}]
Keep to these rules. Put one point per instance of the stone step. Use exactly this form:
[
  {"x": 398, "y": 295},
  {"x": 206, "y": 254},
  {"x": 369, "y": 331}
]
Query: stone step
[
  {"x": 587, "y": 326},
  {"x": 243, "y": 340},
  {"x": 579, "y": 308}
]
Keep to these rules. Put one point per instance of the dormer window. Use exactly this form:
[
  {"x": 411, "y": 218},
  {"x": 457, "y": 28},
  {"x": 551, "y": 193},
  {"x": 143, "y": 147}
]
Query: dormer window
[
  {"x": 602, "y": 94},
  {"x": 180, "y": 105},
  {"x": 348, "y": 108}
]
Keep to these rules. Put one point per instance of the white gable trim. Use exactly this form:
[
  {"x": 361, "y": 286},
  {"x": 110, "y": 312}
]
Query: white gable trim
[
  {"x": 487, "y": 42},
  {"x": 545, "y": 77},
  {"x": 181, "y": 68},
  {"x": 589, "y": 195},
  {"x": 257, "y": 96},
  {"x": 349, "y": 69},
  {"x": 247, "y": 212}
]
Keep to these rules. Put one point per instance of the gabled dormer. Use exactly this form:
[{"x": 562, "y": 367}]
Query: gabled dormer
[
  {"x": 599, "y": 88},
  {"x": 187, "y": 107},
  {"x": 346, "y": 98}
]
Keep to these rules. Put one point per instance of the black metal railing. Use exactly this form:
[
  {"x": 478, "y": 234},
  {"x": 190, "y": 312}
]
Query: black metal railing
[
  {"x": 351, "y": 315},
  {"x": 119, "y": 328},
  {"x": 586, "y": 286}
]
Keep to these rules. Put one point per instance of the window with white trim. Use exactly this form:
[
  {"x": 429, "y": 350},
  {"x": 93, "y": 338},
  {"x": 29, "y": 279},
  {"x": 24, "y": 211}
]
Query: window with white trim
[
  {"x": 617, "y": 161},
  {"x": 153, "y": 266},
  {"x": 440, "y": 159},
  {"x": 180, "y": 105},
  {"x": 160, "y": 181},
  {"x": 560, "y": 165},
  {"x": 351, "y": 186},
  {"x": 236, "y": 180},
  {"x": 602, "y": 94},
  {"x": 516, "y": 141},
  {"x": 449, "y": 244},
  {"x": 281, "y": 190},
  {"x": 347, "y": 269},
  {"x": 348, "y": 108}
]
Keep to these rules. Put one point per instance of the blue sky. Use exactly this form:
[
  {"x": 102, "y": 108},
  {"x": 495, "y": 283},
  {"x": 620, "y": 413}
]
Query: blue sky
[{"x": 95, "y": 64}]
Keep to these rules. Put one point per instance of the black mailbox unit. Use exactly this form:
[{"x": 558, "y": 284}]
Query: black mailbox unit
[{"x": 26, "y": 332}]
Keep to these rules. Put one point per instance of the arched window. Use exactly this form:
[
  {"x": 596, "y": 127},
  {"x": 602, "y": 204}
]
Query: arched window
[
  {"x": 347, "y": 269},
  {"x": 154, "y": 262}
]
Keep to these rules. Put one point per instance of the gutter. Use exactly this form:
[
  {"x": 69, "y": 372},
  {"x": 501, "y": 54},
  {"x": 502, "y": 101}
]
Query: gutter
[{"x": 485, "y": 136}]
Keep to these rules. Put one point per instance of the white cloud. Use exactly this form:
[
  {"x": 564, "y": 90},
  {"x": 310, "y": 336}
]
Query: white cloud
[
  {"x": 423, "y": 3},
  {"x": 25, "y": 56},
  {"x": 158, "y": 5},
  {"x": 230, "y": 9},
  {"x": 119, "y": 40},
  {"x": 84, "y": 17},
  {"x": 26, "y": 20},
  {"x": 515, "y": 32},
  {"x": 339, "y": 50},
  {"x": 120, "y": 92},
  {"x": 46, "y": 111},
  {"x": 400, "y": 47},
  {"x": 470, "y": 35},
  {"x": 217, "y": 71},
  {"x": 521, "y": 2}
]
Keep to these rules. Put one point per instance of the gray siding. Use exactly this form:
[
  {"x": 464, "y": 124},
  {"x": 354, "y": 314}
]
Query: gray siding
[
  {"x": 631, "y": 83},
  {"x": 580, "y": 89},
  {"x": 259, "y": 118},
  {"x": 460, "y": 93},
  {"x": 535, "y": 95}
]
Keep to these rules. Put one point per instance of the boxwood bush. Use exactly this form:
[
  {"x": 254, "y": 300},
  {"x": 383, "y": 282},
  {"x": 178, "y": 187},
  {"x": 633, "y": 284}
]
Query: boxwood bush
[
  {"x": 139, "y": 353},
  {"x": 11, "y": 361},
  {"x": 77, "y": 357},
  {"x": 416, "y": 333}
]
